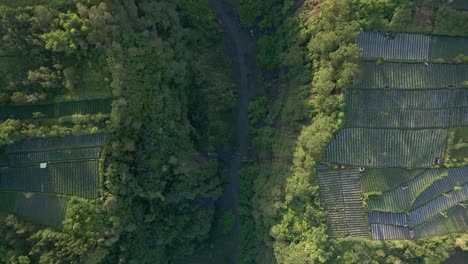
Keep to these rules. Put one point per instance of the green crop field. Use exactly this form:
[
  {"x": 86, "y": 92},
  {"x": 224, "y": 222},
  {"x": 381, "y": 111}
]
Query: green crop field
[
  {"x": 22, "y": 158},
  {"x": 56, "y": 110},
  {"x": 387, "y": 147},
  {"x": 385, "y": 179},
  {"x": 37, "y": 208},
  {"x": 392, "y": 75},
  {"x": 400, "y": 198},
  {"x": 79, "y": 178},
  {"x": 457, "y": 150},
  {"x": 403, "y": 121},
  {"x": 55, "y": 143}
]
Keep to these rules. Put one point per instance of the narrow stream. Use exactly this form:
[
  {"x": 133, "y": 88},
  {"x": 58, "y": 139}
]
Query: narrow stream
[{"x": 240, "y": 47}]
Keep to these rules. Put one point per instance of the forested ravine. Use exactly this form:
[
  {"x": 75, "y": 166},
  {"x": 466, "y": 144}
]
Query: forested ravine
[{"x": 240, "y": 48}]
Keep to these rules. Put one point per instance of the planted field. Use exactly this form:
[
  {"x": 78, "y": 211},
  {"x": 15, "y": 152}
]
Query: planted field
[
  {"x": 408, "y": 118},
  {"x": 396, "y": 219},
  {"x": 389, "y": 232},
  {"x": 386, "y": 147},
  {"x": 406, "y": 99},
  {"x": 438, "y": 205},
  {"x": 401, "y": 198},
  {"x": 393, "y": 75},
  {"x": 67, "y": 142},
  {"x": 456, "y": 177},
  {"x": 37, "y": 208},
  {"x": 455, "y": 220},
  {"x": 22, "y": 158},
  {"x": 80, "y": 178},
  {"x": 457, "y": 149},
  {"x": 402, "y": 46},
  {"x": 341, "y": 195},
  {"x": 448, "y": 48},
  {"x": 386, "y": 179},
  {"x": 56, "y": 110}
]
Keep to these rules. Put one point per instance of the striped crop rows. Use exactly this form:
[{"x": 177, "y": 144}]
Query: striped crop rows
[
  {"x": 68, "y": 178},
  {"x": 413, "y": 47},
  {"x": 401, "y": 46},
  {"x": 401, "y": 198},
  {"x": 393, "y": 75},
  {"x": 38, "y": 208},
  {"x": 408, "y": 118},
  {"x": 403, "y": 99},
  {"x": 66, "y": 142},
  {"x": 386, "y": 147},
  {"x": 39, "y": 172},
  {"x": 455, "y": 220},
  {"x": 386, "y": 179},
  {"x": 93, "y": 106},
  {"x": 440, "y": 204},
  {"x": 341, "y": 195},
  {"x": 388, "y": 232},
  {"x": 396, "y": 219},
  {"x": 53, "y": 155},
  {"x": 456, "y": 177}
]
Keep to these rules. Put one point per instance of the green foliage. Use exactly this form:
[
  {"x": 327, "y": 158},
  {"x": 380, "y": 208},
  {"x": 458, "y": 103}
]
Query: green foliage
[
  {"x": 451, "y": 22},
  {"x": 457, "y": 148},
  {"x": 258, "y": 109}
]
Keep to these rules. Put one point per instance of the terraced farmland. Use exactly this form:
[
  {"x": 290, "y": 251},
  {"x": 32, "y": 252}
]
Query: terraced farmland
[
  {"x": 40, "y": 174},
  {"x": 396, "y": 134},
  {"x": 56, "y": 110},
  {"x": 387, "y": 147},
  {"x": 342, "y": 197}
]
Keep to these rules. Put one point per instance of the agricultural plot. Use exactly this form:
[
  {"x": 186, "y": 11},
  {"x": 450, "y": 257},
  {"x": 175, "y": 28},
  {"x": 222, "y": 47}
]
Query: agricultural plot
[
  {"x": 401, "y": 198},
  {"x": 392, "y": 75},
  {"x": 38, "y": 208},
  {"x": 55, "y": 143},
  {"x": 406, "y": 99},
  {"x": 408, "y": 118},
  {"x": 386, "y": 179},
  {"x": 341, "y": 195},
  {"x": 56, "y": 110},
  {"x": 386, "y": 147},
  {"x": 412, "y": 47},
  {"x": 395, "y": 219},
  {"x": 79, "y": 178},
  {"x": 402, "y": 46},
  {"x": 455, "y": 220},
  {"x": 448, "y": 48},
  {"x": 457, "y": 149},
  {"x": 389, "y": 232},
  {"x": 436, "y": 206},
  {"x": 456, "y": 177},
  {"x": 22, "y": 158}
]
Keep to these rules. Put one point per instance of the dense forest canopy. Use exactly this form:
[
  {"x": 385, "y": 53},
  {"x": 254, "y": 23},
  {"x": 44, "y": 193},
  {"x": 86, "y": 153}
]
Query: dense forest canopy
[{"x": 161, "y": 63}]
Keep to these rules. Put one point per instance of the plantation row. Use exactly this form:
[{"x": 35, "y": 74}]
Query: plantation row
[
  {"x": 456, "y": 177},
  {"x": 341, "y": 196},
  {"x": 407, "y": 118},
  {"x": 387, "y": 232},
  {"x": 55, "y": 143},
  {"x": 386, "y": 179},
  {"x": 21, "y": 158},
  {"x": 401, "y": 198},
  {"x": 434, "y": 207},
  {"x": 393, "y": 75},
  {"x": 38, "y": 208},
  {"x": 386, "y": 147},
  {"x": 407, "y": 46},
  {"x": 93, "y": 106},
  {"x": 455, "y": 220},
  {"x": 396, "y": 219},
  {"x": 406, "y": 99},
  {"x": 69, "y": 178}
]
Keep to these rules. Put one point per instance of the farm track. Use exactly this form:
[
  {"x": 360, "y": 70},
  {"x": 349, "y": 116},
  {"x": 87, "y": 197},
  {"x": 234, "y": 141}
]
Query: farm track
[{"x": 240, "y": 48}]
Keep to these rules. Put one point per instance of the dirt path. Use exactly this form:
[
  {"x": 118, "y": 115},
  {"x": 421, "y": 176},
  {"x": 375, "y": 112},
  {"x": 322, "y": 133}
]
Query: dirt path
[{"x": 240, "y": 47}]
